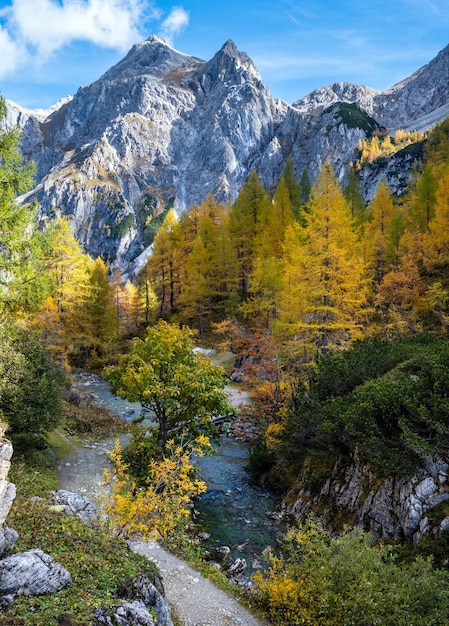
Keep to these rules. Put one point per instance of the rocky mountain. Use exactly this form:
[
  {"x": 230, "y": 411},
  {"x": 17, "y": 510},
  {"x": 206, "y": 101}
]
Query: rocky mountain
[
  {"x": 162, "y": 128},
  {"x": 401, "y": 106}
]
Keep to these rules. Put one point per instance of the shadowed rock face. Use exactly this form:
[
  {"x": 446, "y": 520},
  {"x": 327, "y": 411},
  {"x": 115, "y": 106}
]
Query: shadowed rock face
[
  {"x": 395, "y": 507},
  {"x": 163, "y": 128}
]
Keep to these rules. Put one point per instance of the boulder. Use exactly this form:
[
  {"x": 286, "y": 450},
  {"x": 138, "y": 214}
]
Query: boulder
[
  {"x": 31, "y": 573},
  {"x": 132, "y": 614},
  {"x": 76, "y": 504}
]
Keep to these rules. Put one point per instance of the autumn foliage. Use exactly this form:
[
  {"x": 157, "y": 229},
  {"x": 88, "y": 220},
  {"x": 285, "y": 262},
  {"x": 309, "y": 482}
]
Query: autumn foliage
[{"x": 162, "y": 505}]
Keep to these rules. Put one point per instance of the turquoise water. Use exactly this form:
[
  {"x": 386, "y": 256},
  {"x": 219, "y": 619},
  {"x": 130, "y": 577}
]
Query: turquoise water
[
  {"x": 233, "y": 511},
  {"x": 98, "y": 391}
]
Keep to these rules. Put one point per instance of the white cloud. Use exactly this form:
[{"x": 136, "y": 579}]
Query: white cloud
[
  {"x": 31, "y": 31},
  {"x": 46, "y": 25},
  {"x": 11, "y": 54},
  {"x": 174, "y": 23}
]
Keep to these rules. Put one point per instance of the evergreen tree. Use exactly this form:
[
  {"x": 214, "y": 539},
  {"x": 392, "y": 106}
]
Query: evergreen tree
[
  {"x": 31, "y": 387},
  {"x": 293, "y": 187},
  {"x": 22, "y": 245},
  {"x": 354, "y": 197},
  {"x": 305, "y": 187}
]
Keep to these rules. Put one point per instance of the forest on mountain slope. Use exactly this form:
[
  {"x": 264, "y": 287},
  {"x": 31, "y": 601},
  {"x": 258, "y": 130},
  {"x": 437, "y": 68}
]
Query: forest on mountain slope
[{"x": 338, "y": 310}]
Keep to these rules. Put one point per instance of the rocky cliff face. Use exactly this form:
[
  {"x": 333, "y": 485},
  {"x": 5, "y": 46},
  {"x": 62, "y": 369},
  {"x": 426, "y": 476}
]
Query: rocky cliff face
[
  {"x": 163, "y": 129},
  {"x": 394, "y": 507},
  {"x": 8, "y": 536}
]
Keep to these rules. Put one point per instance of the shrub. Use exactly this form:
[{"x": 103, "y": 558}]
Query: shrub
[
  {"x": 346, "y": 581},
  {"x": 31, "y": 389}
]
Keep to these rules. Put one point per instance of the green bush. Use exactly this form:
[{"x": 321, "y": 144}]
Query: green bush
[
  {"x": 346, "y": 581},
  {"x": 388, "y": 399},
  {"x": 31, "y": 388}
]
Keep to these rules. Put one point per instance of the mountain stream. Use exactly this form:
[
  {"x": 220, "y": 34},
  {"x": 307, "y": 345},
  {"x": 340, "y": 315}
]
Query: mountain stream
[{"x": 233, "y": 511}]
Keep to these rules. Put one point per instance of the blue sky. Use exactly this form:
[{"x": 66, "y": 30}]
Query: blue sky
[{"x": 49, "y": 48}]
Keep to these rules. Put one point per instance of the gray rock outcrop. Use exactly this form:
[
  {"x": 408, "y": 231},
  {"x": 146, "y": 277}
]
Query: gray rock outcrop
[
  {"x": 7, "y": 489},
  {"x": 145, "y": 600},
  {"x": 31, "y": 573},
  {"x": 151, "y": 595},
  {"x": 163, "y": 129},
  {"x": 395, "y": 507},
  {"x": 131, "y": 614},
  {"x": 25, "y": 573},
  {"x": 76, "y": 504}
]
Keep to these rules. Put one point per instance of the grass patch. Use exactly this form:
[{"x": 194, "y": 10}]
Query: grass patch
[
  {"x": 98, "y": 563},
  {"x": 34, "y": 474},
  {"x": 59, "y": 444}
]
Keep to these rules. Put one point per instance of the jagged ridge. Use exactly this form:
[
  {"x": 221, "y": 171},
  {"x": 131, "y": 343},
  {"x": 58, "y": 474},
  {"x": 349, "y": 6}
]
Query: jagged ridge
[{"x": 162, "y": 127}]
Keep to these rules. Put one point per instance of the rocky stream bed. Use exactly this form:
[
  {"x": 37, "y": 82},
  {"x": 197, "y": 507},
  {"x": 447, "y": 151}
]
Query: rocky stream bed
[{"x": 233, "y": 520}]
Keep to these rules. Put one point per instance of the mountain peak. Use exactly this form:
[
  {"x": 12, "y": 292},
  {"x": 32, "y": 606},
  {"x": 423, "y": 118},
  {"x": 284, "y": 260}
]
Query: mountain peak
[
  {"x": 156, "y": 40},
  {"x": 229, "y": 63},
  {"x": 229, "y": 48},
  {"x": 153, "y": 56}
]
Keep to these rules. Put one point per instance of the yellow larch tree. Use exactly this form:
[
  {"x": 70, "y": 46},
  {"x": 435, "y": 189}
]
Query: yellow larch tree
[
  {"x": 247, "y": 220},
  {"x": 71, "y": 288},
  {"x": 377, "y": 232},
  {"x": 164, "y": 264},
  {"x": 326, "y": 287},
  {"x": 436, "y": 240}
]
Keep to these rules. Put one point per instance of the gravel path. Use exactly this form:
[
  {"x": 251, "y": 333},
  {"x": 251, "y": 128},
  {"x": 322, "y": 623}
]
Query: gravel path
[{"x": 196, "y": 600}]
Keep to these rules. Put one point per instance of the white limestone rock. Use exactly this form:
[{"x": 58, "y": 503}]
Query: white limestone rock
[{"x": 395, "y": 507}]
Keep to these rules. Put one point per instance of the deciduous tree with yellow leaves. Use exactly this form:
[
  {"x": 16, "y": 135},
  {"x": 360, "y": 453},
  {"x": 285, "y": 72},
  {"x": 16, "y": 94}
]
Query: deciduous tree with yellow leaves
[{"x": 325, "y": 282}]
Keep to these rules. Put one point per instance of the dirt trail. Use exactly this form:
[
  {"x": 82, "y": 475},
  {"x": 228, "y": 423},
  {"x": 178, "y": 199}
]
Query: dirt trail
[{"x": 195, "y": 599}]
